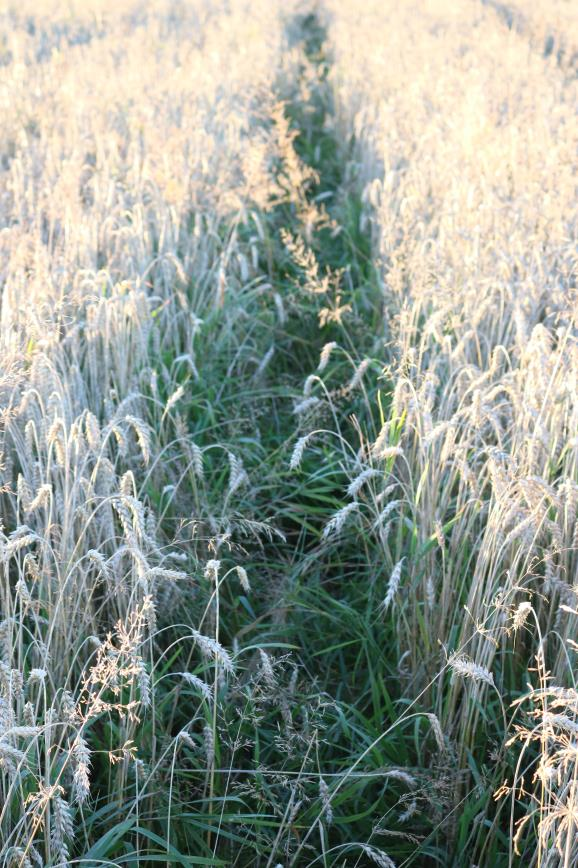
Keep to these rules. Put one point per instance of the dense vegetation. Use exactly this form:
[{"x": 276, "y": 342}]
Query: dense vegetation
[{"x": 289, "y": 433}]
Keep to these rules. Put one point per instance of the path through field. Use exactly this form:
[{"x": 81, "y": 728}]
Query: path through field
[{"x": 289, "y": 390}]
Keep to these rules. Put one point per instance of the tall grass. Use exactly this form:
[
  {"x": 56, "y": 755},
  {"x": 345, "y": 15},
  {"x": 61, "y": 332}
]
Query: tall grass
[
  {"x": 289, "y": 455},
  {"x": 469, "y": 179}
]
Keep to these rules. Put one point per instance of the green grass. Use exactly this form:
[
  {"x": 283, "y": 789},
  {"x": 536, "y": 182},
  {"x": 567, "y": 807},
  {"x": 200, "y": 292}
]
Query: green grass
[{"x": 314, "y": 607}]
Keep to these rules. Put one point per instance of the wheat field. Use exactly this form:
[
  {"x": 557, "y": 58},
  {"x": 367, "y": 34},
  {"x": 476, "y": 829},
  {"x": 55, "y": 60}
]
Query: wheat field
[{"x": 289, "y": 433}]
